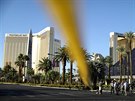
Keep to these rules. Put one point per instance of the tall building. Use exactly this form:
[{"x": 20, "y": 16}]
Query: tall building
[
  {"x": 44, "y": 43},
  {"x": 118, "y": 39},
  {"x": 16, "y": 44},
  {"x": 35, "y": 45},
  {"x": 56, "y": 46}
]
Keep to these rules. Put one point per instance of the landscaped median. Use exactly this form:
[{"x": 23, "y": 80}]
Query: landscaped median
[{"x": 73, "y": 87}]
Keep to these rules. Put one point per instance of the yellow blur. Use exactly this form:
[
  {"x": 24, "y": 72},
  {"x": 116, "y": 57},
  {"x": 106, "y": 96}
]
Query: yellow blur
[{"x": 65, "y": 16}]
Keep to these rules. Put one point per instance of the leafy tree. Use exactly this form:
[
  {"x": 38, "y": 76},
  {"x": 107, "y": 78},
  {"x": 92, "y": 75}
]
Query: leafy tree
[
  {"x": 11, "y": 76},
  {"x": 36, "y": 78},
  {"x": 129, "y": 36},
  {"x": 1, "y": 72},
  {"x": 53, "y": 75},
  {"x": 14, "y": 74},
  {"x": 30, "y": 73},
  {"x": 10, "y": 73},
  {"x": 7, "y": 69}
]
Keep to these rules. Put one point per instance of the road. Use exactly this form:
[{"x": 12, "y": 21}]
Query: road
[{"x": 14, "y": 92}]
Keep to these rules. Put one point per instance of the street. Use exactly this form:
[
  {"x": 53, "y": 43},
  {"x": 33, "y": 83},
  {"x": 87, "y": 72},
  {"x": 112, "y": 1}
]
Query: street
[{"x": 14, "y": 92}]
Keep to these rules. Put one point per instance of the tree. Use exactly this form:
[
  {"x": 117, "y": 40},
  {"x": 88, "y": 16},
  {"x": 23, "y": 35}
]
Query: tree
[
  {"x": 70, "y": 58},
  {"x": 71, "y": 71},
  {"x": 93, "y": 73},
  {"x": 62, "y": 56},
  {"x": 53, "y": 75},
  {"x": 13, "y": 76},
  {"x": 87, "y": 55},
  {"x": 36, "y": 78},
  {"x": 10, "y": 73},
  {"x": 20, "y": 62},
  {"x": 30, "y": 73},
  {"x": 120, "y": 50},
  {"x": 26, "y": 58},
  {"x": 97, "y": 72},
  {"x": 1, "y": 72},
  {"x": 129, "y": 36},
  {"x": 45, "y": 65},
  {"x": 100, "y": 65},
  {"x": 126, "y": 70},
  {"x": 109, "y": 62},
  {"x": 7, "y": 68}
]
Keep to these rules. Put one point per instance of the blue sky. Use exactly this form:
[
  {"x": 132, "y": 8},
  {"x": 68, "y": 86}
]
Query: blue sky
[{"x": 97, "y": 19}]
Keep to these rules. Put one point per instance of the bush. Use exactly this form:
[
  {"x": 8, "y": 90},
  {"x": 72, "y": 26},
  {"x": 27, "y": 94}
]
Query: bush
[{"x": 106, "y": 87}]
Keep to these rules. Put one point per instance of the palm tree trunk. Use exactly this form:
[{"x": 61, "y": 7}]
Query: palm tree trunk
[
  {"x": 109, "y": 72},
  {"x": 24, "y": 72},
  {"x": 20, "y": 72},
  {"x": 130, "y": 53},
  {"x": 71, "y": 67},
  {"x": 120, "y": 67},
  {"x": 63, "y": 74},
  {"x": 131, "y": 66},
  {"x": 127, "y": 65}
]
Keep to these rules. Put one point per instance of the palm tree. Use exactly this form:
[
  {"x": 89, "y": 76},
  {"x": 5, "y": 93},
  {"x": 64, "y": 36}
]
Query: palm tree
[
  {"x": 87, "y": 55},
  {"x": 26, "y": 58},
  {"x": 129, "y": 36},
  {"x": 20, "y": 62},
  {"x": 45, "y": 65},
  {"x": 125, "y": 56},
  {"x": 62, "y": 56},
  {"x": 71, "y": 71},
  {"x": 102, "y": 61},
  {"x": 70, "y": 58},
  {"x": 97, "y": 72},
  {"x": 121, "y": 50},
  {"x": 108, "y": 61}
]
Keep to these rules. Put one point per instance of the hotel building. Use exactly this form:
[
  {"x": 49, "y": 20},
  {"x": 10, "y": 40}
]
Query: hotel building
[
  {"x": 16, "y": 44},
  {"x": 118, "y": 39},
  {"x": 44, "y": 43},
  {"x": 35, "y": 45}
]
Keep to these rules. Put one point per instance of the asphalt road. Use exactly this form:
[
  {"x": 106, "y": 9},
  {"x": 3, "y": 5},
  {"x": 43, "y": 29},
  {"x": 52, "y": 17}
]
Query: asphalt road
[{"x": 14, "y": 92}]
